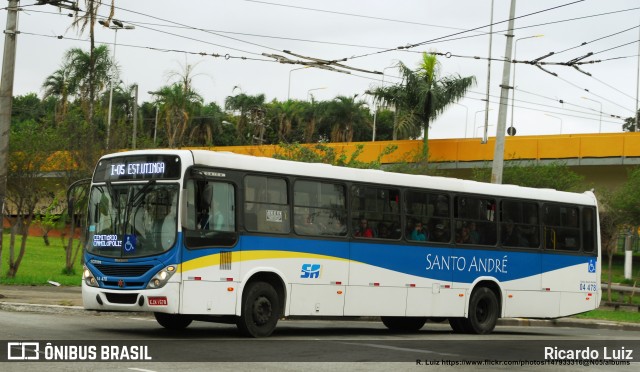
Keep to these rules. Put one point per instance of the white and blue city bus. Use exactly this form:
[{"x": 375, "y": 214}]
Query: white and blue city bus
[{"x": 214, "y": 236}]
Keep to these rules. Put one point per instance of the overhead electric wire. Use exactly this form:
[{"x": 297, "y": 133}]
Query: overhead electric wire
[
  {"x": 225, "y": 56},
  {"x": 462, "y": 32},
  {"x": 198, "y": 29},
  {"x": 554, "y": 107},
  {"x": 353, "y": 15},
  {"x": 142, "y": 25},
  {"x": 603, "y": 119},
  {"x": 598, "y": 39}
]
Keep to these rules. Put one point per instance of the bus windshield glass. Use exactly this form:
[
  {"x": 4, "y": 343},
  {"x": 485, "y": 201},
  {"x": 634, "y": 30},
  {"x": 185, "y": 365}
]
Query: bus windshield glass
[{"x": 132, "y": 220}]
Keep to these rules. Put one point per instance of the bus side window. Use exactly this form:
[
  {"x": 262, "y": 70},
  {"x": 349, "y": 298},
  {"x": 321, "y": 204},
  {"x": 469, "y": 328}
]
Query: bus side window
[
  {"x": 210, "y": 214},
  {"x": 588, "y": 229},
  {"x": 561, "y": 227},
  {"x": 475, "y": 220},
  {"x": 266, "y": 203}
]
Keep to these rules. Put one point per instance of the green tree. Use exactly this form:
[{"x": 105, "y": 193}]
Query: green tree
[
  {"x": 206, "y": 125},
  {"x": 384, "y": 125},
  {"x": 555, "y": 175},
  {"x": 29, "y": 152},
  {"x": 88, "y": 75},
  {"x": 251, "y": 113},
  {"x": 92, "y": 63},
  {"x": 177, "y": 103},
  {"x": 57, "y": 86},
  {"x": 619, "y": 209},
  {"x": 342, "y": 117},
  {"x": 123, "y": 100},
  {"x": 423, "y": 95},
  {"x": 321, "y": 153},
  {"x": 629, "y": 124},
  {"x": 610, "y": 221},
  {"x": 27, "y": 108}
]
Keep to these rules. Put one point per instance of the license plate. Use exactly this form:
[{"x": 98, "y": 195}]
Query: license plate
[{"x": 157, "y": 301}]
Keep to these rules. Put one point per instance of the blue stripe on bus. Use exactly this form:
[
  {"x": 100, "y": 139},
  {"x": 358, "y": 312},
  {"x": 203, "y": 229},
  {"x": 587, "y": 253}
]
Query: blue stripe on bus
[{"x": 441, "y": 263}]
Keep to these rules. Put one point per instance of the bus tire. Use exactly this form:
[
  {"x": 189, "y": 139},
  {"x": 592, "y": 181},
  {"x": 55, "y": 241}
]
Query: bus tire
[
  {"x": 404, "y": 324},
  {"x": 458, "y": 325},
  {"x": 174, "y": 322},
  {"x": 260, "y": 310},
  {"x": 483, "y": 311}
]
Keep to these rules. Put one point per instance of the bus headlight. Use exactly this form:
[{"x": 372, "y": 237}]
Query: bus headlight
[
  {"x": 88, "y": 277},
  {"x": 162, "y": 277}
]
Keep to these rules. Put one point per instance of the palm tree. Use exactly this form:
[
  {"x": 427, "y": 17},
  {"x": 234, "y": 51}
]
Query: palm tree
[
  {"x": 206, "y": 124},
  {"x": 86, "y": 77},
  {"x": 422, "y": 95},
  {"x": 251, "y": 114},
  {"x": 343, "y": 115},
  {"x": 176, "y": 105},
  {"x": 88, "y": 19},
  {"x": 56, "y": 85}
]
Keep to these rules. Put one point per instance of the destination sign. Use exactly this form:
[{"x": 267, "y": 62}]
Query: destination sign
[{"x": 139, "y": 167}]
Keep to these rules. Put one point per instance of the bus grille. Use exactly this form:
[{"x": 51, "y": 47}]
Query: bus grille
[
  {"x": 124, "y": 271},
  {"x": 122, "y": 298}
]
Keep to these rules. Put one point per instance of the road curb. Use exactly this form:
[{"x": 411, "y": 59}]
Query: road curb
[
  {"x": 36, "y": 308},
  {"x": 569, "y": 322}
]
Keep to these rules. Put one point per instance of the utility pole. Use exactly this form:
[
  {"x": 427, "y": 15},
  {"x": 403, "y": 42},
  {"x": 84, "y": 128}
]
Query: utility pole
[
  {"x": 6, "y": 99},
  {"x": 498, "y": 155}
]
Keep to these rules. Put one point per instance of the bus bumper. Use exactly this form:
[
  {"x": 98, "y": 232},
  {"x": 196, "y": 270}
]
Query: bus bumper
[{"x": 163, "y": 300}]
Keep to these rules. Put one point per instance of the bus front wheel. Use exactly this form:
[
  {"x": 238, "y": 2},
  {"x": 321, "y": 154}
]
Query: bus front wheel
[
  {"x": 173, "y": 322},
  {"x": 260, "y": 310},
  {"x": 483, "y": 311},
  {"x": 403, "y": 324}
]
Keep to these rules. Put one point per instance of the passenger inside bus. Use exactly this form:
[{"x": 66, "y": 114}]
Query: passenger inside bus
[
  {"x": 419, "y": 233},
  {"x": 364, "y": 230}
]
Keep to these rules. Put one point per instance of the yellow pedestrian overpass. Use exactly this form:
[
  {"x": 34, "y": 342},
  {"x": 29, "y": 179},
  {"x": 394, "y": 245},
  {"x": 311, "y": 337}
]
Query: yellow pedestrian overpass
[{"x": 603, "y": 159}]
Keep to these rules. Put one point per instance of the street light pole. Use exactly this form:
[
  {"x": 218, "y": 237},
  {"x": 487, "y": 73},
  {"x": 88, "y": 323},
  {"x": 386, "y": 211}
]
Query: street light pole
[
  {"x": 375, "y": 109},
  {"x": 310, "y": 90},
  {"x": 600, "y": 116},
  {"x": 118, "y": 26},
  {"x": 513, "y": 81},
  {"x": 475, "y": 119},
  {"x": 289, "y": 89},
  {"x": 555, "y": 117},
  {"x": 466, "y": 121}
]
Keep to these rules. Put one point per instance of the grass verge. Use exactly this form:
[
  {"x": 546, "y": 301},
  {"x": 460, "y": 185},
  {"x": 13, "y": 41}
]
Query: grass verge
[
  {"x": 39, "y": 264},
  {"x": 611, "y": 315}
]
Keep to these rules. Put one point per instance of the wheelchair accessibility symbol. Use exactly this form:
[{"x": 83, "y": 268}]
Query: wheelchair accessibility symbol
[
  {"x": 592, "y": 265},
  {"x": 130, "y": 243}
]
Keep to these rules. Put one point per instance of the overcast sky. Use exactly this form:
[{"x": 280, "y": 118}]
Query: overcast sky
[{"x": 170, "y": 34}]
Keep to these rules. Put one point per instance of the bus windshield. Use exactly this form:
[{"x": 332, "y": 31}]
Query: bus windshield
[{"x": 132, "y": 220}]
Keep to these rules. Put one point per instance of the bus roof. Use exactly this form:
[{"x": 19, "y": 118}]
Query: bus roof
[{"x": 286, "y": 167}]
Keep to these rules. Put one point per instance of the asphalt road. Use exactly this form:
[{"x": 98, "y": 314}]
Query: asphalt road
[{"x": 296, "y": 345}]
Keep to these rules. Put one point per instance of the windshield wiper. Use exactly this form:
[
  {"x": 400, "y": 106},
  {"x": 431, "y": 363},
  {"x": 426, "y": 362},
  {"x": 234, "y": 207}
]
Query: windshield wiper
[{"x": 135, "y": 201}]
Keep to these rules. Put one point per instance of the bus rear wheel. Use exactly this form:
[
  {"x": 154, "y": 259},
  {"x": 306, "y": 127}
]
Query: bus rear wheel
[
  {"x": 403, "y": 324},
  {"x": 174, "y": 322},
  {"x": 483, "y": 311},
  {"x": 260, "y": 310}
]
